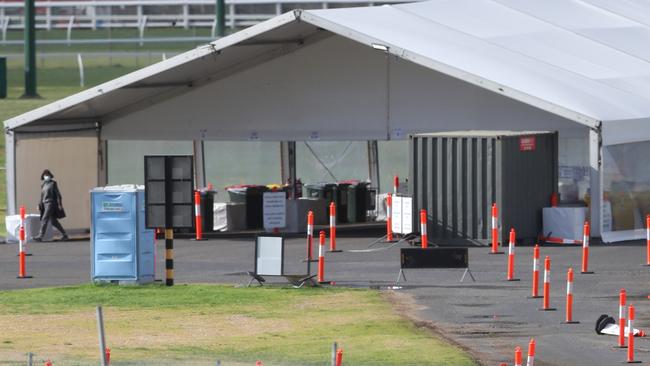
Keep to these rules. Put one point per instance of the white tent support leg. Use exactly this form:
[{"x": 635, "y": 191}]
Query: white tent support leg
[
  {"x": 199, "y": 163},
  {"x": 373, "y": 163},
  {"x": 596, "y": 175},
  {"x": 10, "y": 172}
]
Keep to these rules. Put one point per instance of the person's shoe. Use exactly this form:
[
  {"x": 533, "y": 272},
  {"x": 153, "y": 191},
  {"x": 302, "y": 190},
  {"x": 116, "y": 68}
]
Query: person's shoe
[
  {"x": 65, "y": 238},
  {"x": 37, "y": 238}
]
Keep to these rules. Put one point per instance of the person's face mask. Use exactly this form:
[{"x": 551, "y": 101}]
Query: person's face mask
[{"x": 47, "y": 178}]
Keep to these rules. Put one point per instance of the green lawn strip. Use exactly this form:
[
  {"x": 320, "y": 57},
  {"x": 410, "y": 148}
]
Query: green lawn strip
[{"x": 281, "y": 326}]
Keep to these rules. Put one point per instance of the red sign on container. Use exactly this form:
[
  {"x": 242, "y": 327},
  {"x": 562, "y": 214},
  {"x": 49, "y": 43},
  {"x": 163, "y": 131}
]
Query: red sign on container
[{"x": 527, "y": 143}]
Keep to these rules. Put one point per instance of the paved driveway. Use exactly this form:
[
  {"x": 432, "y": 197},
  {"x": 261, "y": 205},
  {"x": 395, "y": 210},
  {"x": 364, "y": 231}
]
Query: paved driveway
[{"x": 489, "y": 316}]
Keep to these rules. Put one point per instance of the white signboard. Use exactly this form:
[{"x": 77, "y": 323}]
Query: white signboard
[
  {"x": 402, "y": 215},
  {"x": 396, "y": 223},
  {"x": 268, "y": 252},
  {"x": 407, "y": 215},
  {"x": 275, "y": 210}
]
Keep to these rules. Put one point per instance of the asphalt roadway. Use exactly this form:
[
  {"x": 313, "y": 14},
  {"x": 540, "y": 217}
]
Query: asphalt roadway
[{"x": 488, "y": 317}]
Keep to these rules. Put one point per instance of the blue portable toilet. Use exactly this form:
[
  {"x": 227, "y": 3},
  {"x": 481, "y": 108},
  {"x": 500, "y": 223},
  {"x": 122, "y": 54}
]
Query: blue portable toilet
[{"x": 122, "y": 248}]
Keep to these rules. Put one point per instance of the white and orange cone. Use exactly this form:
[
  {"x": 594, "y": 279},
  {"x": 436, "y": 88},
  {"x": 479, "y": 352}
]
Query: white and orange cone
[
  {"x": 630, "y": 334},
  {"x": 333, "y": 228},
  {"x": 518, "y": 357},
  {"x": 535, "y": 284},
  {"x": 389, "y": 217},
  {"x": 622, "y": 299}
]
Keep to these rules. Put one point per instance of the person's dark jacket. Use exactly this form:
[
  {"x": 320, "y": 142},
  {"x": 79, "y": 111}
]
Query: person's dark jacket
[{"x": 50, "y": 195}]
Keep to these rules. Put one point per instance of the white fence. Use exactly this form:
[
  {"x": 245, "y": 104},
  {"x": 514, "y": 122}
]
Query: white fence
[{"x": 158, "y": 13}]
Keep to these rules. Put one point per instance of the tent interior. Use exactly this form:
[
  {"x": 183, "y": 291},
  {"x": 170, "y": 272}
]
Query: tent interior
[{"x": 309, "y": 77}]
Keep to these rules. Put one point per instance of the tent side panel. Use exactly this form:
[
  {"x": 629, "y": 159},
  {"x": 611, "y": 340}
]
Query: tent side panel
[{"x": 72, "y": 160}]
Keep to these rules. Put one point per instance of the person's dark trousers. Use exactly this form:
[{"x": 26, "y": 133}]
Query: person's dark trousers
[{"x": 49, "y": 214}]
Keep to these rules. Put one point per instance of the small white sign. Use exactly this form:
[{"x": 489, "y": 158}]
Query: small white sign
[
  {"x": 275, "y": 210},
  {"x": 407, "y": 215},
  {"x": 269, "y": 256},
  {"x": 396, "y": 225}
]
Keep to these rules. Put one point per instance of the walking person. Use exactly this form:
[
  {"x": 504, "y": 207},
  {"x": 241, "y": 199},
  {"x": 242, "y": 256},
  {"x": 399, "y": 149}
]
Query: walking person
[{"x": 50, "y": 206}]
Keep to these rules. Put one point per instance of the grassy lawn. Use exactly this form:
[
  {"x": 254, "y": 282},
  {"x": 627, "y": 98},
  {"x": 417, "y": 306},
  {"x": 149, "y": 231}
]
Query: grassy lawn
[{"x": 199, "y": 324}]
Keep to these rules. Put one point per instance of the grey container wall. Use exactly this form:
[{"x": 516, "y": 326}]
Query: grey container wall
[{"x": 457, "y": 176}]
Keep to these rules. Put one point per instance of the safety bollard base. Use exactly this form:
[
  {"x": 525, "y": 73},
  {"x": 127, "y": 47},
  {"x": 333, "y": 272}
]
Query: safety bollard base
[
  {"x": 335, "y": 251},
  {"x": 635, "y": 361},
  {"x": 548, "y": 309},
  {"x": 490, "y": 252},
  {"x": 620, "y": 347},
  {"x": 588, "y": 272},
  {"x": 535, "y": 297},
  {"x": 309, "y": 260},
  {"x": 571, "y": 322},
  {"x": 513, "y": 279},
  {"x": 324, "y": 282},
  {"x": 195, "y": 239},
  {"x": 26, "y": 255},
  {"x": 23, "y": 277}
]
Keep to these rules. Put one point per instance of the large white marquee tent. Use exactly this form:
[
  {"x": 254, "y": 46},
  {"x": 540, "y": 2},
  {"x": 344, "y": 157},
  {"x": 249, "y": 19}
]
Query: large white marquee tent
[{"x": 580, "y": 67}]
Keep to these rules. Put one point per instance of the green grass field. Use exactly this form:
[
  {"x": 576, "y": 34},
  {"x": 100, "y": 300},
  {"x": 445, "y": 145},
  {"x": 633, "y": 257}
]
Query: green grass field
[{"x": 198, "y": 324}]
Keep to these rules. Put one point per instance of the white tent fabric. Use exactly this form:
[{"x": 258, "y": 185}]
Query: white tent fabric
[{"x": 584, "y": 60}]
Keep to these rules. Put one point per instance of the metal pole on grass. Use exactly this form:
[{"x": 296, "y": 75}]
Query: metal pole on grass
[
  {"x": 102, "y": 341},
  {"x": 334, "y": 349},
  {"x": 30, "y": 50},
  {"x": 30, "y": 359},
  {"x": 221, "y": 17}
]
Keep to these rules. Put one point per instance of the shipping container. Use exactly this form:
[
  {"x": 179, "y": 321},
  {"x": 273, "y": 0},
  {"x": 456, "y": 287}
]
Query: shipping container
[{"x": 456, "y": 176}]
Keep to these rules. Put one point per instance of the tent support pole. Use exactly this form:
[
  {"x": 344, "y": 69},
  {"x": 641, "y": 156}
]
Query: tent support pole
[
  {"x": 596, "y": 194},
  {"x": 288, "y": 163},
  {"x": 199, "y": 163},
  {"x": 373, "y": 163}
]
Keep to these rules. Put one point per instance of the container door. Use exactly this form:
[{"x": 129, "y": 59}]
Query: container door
[
  {"x": 114, "y": 235},
  {"x": 146, "y": 246}
]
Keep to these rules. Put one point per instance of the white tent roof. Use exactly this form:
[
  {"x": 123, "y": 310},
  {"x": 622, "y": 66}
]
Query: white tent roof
[{"x": 584, "y": 60}]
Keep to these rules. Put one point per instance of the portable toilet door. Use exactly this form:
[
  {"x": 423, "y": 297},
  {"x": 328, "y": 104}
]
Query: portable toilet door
[
  {"x": 145, "y": 243},
  {"x": 114, "y": 236}
]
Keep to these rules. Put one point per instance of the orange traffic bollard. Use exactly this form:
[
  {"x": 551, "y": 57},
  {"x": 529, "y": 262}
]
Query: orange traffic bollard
[
  {"x": 622, "y": 299},
  {"x": 535, "y": 293},
  {"x": 198, "y": 220},
  {"x": 424, "y": 237},
  {"x": 321, "y": 257},
  {"x": 339, "y": 357},
  {"x": 333, "y": 228},
  {"x": 531, "y": 353},
  {"x": 630, "y": 334},
  {"x": 511, "y": 256},
  {"x": 518, "y": 356},
  {"x": 108, "y": 356},
  {"x": 310, "y": 235},
  {"x": 546, "y": 303},
  {"x": 495, "y": 230},
  {"x": 586, "y": 233},
  {"x": 22, "y": 269},
  {"x": 389, "y": 217},
  {"x": 647, "y": 238},
  {"x": 395, "y": 185},
  {"x": 569, "y": 298}
]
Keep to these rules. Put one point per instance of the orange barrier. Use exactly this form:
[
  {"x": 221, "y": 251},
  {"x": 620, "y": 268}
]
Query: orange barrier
[
  {"x": 535, "y": 294},
  {"x": 389, "y": 217},
  {"x": 622, "y": 298},
  {"x": 518, "y": 356},
  {"x": 630, "y": 334},
  {"x": 586, "y": 233},
  {"x": 569, "y": 298},
  {"x": 547, "y": 285},
  {"x": 310, "y": 234},
  {"x": 197, "y": 215},
  {"x": 333, "y": 227},
  {"x": 108, "y": 356},
  {"x": 495, "y": 230},
  {"x": 321, "y": 257},
  {"x": 424, "y": 238},
  {"x": 531, "y": 353},
  {"x": 556, "y": 240},
  {"x": 511, "y": 257}
]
